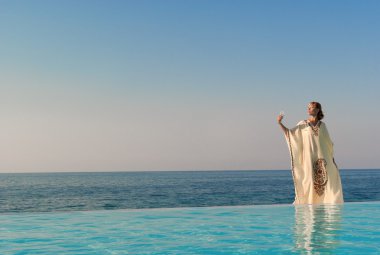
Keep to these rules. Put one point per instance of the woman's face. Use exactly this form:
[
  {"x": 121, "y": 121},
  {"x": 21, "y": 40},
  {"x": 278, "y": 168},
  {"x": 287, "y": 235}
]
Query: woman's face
[{"x": 312, "y": 110}]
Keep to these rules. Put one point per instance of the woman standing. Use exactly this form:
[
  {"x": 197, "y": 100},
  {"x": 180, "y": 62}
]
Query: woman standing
[{"x": 315, "y": 174}]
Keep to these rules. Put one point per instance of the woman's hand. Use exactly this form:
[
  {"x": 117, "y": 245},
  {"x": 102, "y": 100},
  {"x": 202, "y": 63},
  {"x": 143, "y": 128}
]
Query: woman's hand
[{"x": 279, "y": 118}]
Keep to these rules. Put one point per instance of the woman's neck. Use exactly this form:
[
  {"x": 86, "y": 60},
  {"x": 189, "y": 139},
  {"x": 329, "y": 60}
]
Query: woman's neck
[{"x": 313, "y": 118}]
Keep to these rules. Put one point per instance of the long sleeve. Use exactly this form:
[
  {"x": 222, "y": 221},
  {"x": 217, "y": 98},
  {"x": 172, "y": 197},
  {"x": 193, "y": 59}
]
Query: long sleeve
[
  {"x": 295, "y": 143},
  {"x": 294, "y": 139}
]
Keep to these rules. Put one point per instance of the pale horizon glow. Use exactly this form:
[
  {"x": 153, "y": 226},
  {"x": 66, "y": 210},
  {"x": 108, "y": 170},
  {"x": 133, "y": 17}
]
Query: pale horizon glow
[{"x": 183, "y": 85}]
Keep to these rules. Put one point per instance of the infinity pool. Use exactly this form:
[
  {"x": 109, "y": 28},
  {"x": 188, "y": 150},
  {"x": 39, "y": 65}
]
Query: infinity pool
[{"x": 352, "y": 228}]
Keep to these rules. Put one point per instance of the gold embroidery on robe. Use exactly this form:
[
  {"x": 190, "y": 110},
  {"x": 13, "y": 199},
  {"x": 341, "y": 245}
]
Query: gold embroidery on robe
[
  {"x": 320, "y": 176},
  {"x": 335, "y": 163},
  {"x": 314, "y": 128}
]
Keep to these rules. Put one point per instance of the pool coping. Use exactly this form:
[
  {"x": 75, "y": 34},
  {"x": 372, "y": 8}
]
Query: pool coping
[{"x": 184, "y": 208}]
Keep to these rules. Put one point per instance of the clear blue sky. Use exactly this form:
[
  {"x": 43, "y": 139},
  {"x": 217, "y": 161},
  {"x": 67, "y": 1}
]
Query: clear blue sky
[{"x": 183, "y": 85}]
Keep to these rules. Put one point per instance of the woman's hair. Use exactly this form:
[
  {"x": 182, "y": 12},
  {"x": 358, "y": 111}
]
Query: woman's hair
[{"x": 320, "y": 114}]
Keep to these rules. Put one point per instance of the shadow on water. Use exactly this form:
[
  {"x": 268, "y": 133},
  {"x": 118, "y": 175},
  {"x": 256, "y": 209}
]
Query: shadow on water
[{"x": 317, "y": 228}]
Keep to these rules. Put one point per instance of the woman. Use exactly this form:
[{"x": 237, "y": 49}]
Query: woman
[{"x": 315, "y": 174}]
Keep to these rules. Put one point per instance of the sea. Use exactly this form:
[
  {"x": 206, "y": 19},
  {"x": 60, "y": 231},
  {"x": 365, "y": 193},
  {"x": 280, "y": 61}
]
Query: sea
[{"x": 89, "y": 191}]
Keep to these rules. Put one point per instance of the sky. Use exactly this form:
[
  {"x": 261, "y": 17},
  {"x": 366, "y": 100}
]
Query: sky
[{"x": 184, "y": 85}]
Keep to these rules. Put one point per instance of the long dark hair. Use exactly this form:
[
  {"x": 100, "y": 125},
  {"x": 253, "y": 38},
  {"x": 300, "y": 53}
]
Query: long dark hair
[{"x": 320, "y": 114}]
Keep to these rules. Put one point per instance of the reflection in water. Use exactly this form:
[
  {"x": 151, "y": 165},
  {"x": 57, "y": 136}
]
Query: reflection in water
[{"x": 317, "y": 228}]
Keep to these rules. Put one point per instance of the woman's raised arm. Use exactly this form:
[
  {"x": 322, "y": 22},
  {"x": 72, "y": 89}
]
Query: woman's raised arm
[{"x": 279, "y": 119}]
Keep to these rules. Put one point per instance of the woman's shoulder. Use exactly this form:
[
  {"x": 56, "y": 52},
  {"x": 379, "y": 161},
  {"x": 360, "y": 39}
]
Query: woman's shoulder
[
  {"x": 304, "y": 122},
  {"x": 301, "y": 122}
]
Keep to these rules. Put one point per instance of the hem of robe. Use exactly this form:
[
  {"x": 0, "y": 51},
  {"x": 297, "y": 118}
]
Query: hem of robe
[{"x": 322, "y": 203}]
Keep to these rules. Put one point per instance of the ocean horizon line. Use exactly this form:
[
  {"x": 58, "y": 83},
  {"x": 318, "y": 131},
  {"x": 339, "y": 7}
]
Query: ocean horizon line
[{"x": 157, "y": 171}]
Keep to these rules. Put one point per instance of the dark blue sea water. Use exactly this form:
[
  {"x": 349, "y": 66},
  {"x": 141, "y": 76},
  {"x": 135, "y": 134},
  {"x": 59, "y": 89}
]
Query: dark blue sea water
[{"x": 43, "y": 192}]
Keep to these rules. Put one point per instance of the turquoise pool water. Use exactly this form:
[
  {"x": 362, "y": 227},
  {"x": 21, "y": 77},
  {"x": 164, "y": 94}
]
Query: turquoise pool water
[{"x": 352, "y": 228}]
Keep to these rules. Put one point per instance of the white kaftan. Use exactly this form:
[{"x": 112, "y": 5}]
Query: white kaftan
[{"x": 315, "y": 174}]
